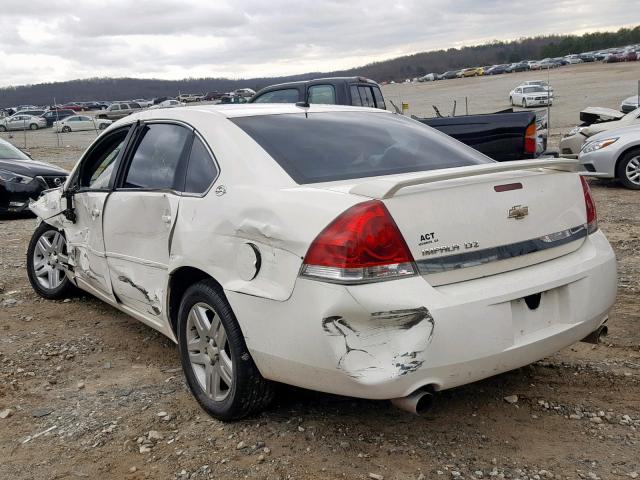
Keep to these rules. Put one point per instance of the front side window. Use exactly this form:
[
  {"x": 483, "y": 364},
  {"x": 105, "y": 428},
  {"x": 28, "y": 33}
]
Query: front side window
[
  {"x": 201, "y": 171},
  {"x": 324, "y": 94},
  {"x": 355, "y": 96},
  {"x": 331, "y": 146},
  {"x": 156, "y": 161},
  {"x": 97, "y": 166},
  {"x": 288, "y": 95}
]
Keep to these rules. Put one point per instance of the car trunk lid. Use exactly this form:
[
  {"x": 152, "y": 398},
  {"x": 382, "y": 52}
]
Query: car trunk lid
[{"x": 476, "y": 221}]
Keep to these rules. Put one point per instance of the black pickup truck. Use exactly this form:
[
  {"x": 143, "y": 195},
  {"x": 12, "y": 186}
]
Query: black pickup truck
[{"x": 506, "y": 135}]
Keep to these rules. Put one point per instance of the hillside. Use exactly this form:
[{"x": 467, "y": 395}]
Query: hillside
[{"x": 395, "y": 69}]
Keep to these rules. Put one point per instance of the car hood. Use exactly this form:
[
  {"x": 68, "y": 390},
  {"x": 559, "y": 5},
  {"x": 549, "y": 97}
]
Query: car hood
[
  {"x": 600, "y": 114},
  {"x": 31, "y": 168},
  {"x": 630, "y": 133}
]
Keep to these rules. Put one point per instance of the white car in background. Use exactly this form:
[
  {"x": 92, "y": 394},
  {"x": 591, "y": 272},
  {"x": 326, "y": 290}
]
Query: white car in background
[
  {"x": 630, "y": 103},
  {"x": 538, "y": 83},
  {"x": 530, "y": 96},
  {"x": 573, "y": 59},
  {"x": 614, "y": 154},
  {"x": 343, "y": 249},
  {"x": 77, "y": 123},
  {"x": 143, "y": 103},
  {"x": 572, "y": 142},
  {"x": 168, "y": 104},
  {"x": 20, "y": 121}
]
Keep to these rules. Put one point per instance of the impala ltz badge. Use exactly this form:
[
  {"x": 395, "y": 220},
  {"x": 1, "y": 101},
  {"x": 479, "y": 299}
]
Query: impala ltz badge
[{"x": 518, "y": 212}]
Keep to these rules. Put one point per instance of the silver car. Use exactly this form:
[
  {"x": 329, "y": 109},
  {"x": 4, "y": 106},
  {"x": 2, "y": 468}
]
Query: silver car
[
  {"x": 22, "y": 122},
  {"x": 614, "y": 154}
]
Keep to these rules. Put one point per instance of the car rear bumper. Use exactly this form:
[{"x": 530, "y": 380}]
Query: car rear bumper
[{"x": 388, "y": 339}]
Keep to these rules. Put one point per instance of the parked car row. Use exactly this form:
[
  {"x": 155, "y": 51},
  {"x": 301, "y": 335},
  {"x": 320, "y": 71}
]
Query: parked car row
[{"x": 626, "y": 54}]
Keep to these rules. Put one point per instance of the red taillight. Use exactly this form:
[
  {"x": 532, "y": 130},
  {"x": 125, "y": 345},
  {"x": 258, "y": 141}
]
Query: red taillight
[
  {"x": 592, "y": 217},
  {"x": 530, "y": 139},
  {"x": 362, "y": 244}
]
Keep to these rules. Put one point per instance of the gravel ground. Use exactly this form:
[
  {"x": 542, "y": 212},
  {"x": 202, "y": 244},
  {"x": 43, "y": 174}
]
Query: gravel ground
[{"x": 87, "y": 392}]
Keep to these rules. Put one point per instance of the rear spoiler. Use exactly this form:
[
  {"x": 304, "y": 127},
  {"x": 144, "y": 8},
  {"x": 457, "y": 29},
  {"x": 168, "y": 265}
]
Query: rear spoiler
[{"x": 387, "y": 187}]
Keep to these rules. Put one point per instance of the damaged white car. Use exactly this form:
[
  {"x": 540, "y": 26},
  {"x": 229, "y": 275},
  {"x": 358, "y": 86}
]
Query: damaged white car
[{"x": 341, "y": 249}]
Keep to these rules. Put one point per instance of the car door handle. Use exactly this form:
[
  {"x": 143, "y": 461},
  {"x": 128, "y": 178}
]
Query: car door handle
[
  {"x": 166, "y": 219},
  {"x": 95, "y": 213}
]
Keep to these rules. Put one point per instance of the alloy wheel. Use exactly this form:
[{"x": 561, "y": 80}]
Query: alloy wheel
[
  {"x": 209, "y": 352},
  {"x": 632, "y": 171},
  {"x": 51, "y": 246}
]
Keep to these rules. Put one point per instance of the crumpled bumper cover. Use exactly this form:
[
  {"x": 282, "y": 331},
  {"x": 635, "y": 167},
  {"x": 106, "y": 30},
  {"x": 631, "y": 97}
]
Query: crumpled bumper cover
[{"x": 386, "y": 340}]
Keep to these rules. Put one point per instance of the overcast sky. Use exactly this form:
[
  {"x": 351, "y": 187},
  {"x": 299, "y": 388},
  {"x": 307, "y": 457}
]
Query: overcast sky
[{"x": 50, "y": 40}]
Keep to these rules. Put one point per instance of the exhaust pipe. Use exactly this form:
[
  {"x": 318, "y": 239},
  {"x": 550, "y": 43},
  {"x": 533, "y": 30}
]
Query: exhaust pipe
[
  {"x": 597, "y": 335},
  {"x": 418, "y": 403}
]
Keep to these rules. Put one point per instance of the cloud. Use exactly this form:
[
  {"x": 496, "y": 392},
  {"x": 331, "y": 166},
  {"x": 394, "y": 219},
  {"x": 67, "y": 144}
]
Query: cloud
[{"x": 49, "y": 41}]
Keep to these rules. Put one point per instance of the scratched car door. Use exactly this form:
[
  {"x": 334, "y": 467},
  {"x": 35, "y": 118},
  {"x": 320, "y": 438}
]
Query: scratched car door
[{"x": 140, "y": 215}]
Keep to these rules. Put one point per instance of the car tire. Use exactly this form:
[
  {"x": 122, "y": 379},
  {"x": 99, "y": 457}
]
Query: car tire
[
  {"x": 33, "y": 126},
  {"x": 213, "y": 354},
  {"x": 511, "y": 101},
  {"x": 66, "y": 129},
  {"x": 3, "y": 128},
  {"x": 628, "y": 170},
  {"x": 46, "y": 240},
  {"x": 102, "y": 126},
  {"x": 524, "y": 103}
]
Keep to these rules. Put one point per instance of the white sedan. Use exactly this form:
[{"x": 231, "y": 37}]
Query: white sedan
[
  {"x": 20, "y": 121},
  {"x": 77, "y": 123},
  {"x": 343, "y": 249},
  {"x": 530, "y": 96},
  {"x": 168, "y": 104}
]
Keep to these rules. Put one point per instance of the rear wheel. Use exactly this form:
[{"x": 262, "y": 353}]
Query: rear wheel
[
  {"x": 217, "y": 364},
  {"x": 66, "y": 129},
  {"x": 628, "y": 171},
  {"x": 47, "y": 249},
  {"x": 3, "y": 128},
  {"x": 102, "y": 126}
]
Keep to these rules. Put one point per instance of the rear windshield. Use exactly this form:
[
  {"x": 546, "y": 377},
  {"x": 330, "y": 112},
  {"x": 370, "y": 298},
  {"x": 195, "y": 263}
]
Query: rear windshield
[{"x": 330, "y": 146}]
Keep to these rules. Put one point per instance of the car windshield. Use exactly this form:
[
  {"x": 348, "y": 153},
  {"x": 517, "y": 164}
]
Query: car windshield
[
  {"x": 9, "y": 152},
  {"x": 330, "y": 146},
  {"x": 534, "y": 89}
]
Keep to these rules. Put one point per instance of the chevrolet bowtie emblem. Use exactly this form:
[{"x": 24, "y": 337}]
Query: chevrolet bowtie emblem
[{"x": 518, "y": 212}]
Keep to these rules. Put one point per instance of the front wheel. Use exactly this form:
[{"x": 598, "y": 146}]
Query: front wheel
[
  {"x": 217, "y": 364},
  {"x": 511, "y": 101},
  {"x": 33, "y": 126},
  {"x": 46, "y": 252},
  {"x": 66, "y": 129},
  {"x": 628, "y": 171},
  {"x": 3, "y": 128},
  {"x": 524, "y": 103},
  {"x": 102, "y": 126}
]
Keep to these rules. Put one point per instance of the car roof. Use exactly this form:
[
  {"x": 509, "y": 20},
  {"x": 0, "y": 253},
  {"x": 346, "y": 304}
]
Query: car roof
[{"x": 250, "y": 110}]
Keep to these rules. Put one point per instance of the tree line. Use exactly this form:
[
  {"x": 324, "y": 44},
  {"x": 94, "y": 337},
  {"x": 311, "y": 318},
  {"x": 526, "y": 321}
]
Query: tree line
[{"x": 396, "y": 69}]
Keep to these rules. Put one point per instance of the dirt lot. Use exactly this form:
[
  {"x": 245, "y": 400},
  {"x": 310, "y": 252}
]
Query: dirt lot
[{"x": 88, "y": 386}]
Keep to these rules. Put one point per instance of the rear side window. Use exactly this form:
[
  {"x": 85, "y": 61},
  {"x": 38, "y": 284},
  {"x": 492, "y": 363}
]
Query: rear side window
[
  {"x": 157, "y": 158},
  {"x": 201, "y": 171},
  {"x": 288, "y": 95},
  {"x": 366, "y": 97},
  {"x": 377, "y": 95},
  {"x": 330, "y": 146},
  {"x": 322, "y": 94}
]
